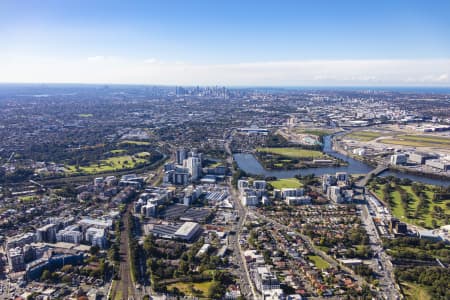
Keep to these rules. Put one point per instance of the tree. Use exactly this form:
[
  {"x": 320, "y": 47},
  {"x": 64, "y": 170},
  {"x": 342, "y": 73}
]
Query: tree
[
  {"x": 66, "y": 268},
  {"x": 183, "y": 267},
  {"x": 94, "y": 250},
  {"x": 149, "y": 246},
  {"x": 175, "y": 291},
  {"x": 66, "y": 279},
  {"x": 46, "y": 275},
  {"x": 215, "y": 290},
  {"x": 434, "y": 223}
]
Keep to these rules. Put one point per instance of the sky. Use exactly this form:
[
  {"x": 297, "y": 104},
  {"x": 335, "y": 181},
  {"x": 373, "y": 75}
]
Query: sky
[{"x": 233, "y": 43}]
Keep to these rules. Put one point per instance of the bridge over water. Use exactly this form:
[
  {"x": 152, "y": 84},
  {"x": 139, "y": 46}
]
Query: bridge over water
[{"x": 375, "y": 172}]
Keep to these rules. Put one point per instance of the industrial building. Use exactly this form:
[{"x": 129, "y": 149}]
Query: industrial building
[
  {"x": 187, "y": 231},
  {"x": 420, "y": 157},
  {"x": 399, "y": 159},
  {"x": 198, "y": 215},
  {"x": 439, "y": 164}
]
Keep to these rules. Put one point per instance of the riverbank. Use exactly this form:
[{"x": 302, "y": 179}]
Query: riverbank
[
  {"x": 249, "y": 164},
  {"x": 393, "y": 169},
  {"x": 292, "y": 158},
  {"x": 418, "y": 173},
  {"x": 337, "y": 147}
]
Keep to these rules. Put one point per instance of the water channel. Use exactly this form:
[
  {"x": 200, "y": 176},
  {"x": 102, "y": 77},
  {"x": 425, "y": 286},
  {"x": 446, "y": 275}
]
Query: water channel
[{"x": 248, "y": 163}]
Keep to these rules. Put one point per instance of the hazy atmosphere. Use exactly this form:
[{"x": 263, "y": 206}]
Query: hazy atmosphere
[
  {"x": 224, "y": 150},
  {"x": 287, "y": 43}
]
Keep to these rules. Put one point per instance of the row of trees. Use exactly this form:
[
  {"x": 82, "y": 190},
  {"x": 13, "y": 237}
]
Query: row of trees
[
  {"x": 392, "y": 179},
  {"x": 238, "y": 174},
  {"x": 136, "y": 250},
  {"x": 18, "y": 175},
  {"x": 404, "y": 199},
  {"x": 419, "y": 190},
  {"x": 114, "y": 250},
  {"x": 416, "y": 248},
  {"x": 386, "y": 193}
]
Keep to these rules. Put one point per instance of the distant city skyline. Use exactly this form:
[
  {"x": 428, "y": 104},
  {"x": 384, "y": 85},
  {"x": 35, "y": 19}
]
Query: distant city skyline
[{"x": 255, "y": 43}]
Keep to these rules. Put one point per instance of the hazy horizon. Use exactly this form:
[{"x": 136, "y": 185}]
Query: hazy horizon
[{"x": 256, "y": 43}]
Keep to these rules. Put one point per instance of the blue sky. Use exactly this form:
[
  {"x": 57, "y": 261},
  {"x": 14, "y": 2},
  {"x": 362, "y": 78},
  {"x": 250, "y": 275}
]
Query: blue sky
[{"x": 194, "y": 41}]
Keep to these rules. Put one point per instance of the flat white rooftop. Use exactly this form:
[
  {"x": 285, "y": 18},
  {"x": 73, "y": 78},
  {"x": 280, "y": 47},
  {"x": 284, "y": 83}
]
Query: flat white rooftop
[
  {"x": 95, "y": 222},
  {"x": 186, "y": 229}
]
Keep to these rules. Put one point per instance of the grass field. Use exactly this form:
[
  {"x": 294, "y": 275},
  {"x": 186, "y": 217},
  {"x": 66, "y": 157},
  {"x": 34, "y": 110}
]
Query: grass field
[
  {"x": 187, "y": 287},
  {"x": 28, "y": 198},
  {"x": 286, "y": 183},
  {"x": 293, "y": 152},
  {"x": 111, "y": 164},
  {"x": 425, "y": 217},
  {"x": 414, "y": 292},
  {"x": 317, "y": 132},
  {"x": 319, "y": 262},
  {"x": 323, "y": 248},
  {"x": 364, "y": 136},
  {"x": 117, "y": 151},
  {"x": 418, "y": 141},
  {"x": 139, "y": 143},
  {"x": 216, "y": 164},
  {"x": 142, "y": 154}
]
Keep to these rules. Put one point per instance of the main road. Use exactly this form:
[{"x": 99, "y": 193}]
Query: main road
[
  {"x": 247, "y": 286},
  {"x": 387, "y": 282}
]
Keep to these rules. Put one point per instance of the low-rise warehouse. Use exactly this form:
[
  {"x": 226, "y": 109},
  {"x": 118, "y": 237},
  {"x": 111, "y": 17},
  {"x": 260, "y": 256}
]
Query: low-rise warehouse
[{"x": 187, "y": 231}]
